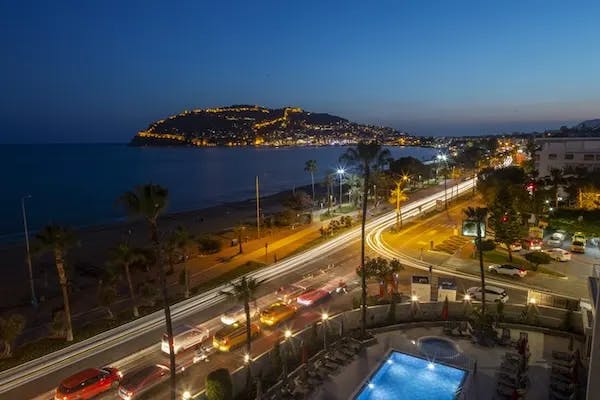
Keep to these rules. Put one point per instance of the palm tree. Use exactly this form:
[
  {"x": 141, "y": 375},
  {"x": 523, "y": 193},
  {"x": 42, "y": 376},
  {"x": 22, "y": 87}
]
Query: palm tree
[
  {"x": 10, "y": 329},
  {"x": 244, "y": 291},
  {"x": 366, "y": 157},
  {"x": 398, "y": 196},
  {"x": 58, "y": 240},
  {"x": 479, "y": 216},
  {"x": 148, "y": 202},
  {"x": 183, "y": 240},
  {"x": 124, "y": 256},
  {"x": 311, "y": 167},
  {"x": 557, "y": 179}
]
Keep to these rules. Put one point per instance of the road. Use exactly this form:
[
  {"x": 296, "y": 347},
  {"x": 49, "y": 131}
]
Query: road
[{"x": 134, "y": 346}]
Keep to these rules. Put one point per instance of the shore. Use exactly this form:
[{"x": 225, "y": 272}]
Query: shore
[{"x": 96, "y": 241}]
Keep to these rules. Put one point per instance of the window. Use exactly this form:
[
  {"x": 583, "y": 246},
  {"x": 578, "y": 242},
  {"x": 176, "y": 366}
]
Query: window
[
  {"x": 588, "y": 157},
  {"x": 569, "y": 156},
  {"x": 551, "y": 156}
]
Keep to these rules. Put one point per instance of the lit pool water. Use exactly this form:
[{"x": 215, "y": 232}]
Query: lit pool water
[{"x": 402, "y": 376}]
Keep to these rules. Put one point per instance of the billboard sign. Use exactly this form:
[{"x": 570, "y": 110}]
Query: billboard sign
[{"x": 469, "y": 228}]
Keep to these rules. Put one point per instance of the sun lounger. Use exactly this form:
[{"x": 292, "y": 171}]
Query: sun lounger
[
  {"x": 564, "y": 371},
  {"x": 513, "y": 367},
  {"x": 562, "y": 387},
  {"x": 513, "y": 355},
  {"x": 516, "y": 380},
  {"x": 559, "y": 396},
  {"x": 300, "y": 387},
  {"x": 564, "y": 363},
  {"x": 508, "y": 391},
  {"x": 562, "y": 355}
]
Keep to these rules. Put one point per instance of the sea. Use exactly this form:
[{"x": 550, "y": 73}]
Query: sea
[{"x": 78, "y": 184}]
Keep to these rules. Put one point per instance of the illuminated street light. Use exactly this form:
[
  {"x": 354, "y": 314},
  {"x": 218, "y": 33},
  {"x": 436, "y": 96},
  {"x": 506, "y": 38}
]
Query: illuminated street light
[
  {"x": 246, "y": 358},
  {"x": 532, "y": 300},
  {"x": 341, "y": 172},
  {"x": 324, "y": 317},
  {"x": 467, "y": 297},
  {"x": 414, "y": 298},
  {"x": 186, "y": 395},
  {"x": 287, "y": 333}
]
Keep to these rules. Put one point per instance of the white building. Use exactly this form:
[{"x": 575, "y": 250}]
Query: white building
[{"x": 564, "y": 152}]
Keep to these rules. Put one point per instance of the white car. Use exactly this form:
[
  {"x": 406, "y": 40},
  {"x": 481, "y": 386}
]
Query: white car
[
  {"x": 560, "y": 234},
  {"x": 185, "y": 337},
  {"x": 516, "y": 246},
  {"x": 554, "y": 241},
  {"x": 507, "y": 269},
  {"x": 237, "y": 314},
  {"x": 559, "y": 254},
  {"x": 492, "y": 293}
]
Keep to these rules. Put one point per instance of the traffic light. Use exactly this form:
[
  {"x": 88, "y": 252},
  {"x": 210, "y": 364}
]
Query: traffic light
[{"x": 505, "y": 218}]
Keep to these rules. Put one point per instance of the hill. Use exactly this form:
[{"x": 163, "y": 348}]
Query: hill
[{"x": 241, "y": 125}]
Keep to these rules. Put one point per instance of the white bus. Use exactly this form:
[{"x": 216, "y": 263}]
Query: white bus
[{"x": 185, "y": 337}]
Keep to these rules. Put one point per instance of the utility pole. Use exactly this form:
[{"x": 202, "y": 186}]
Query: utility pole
[
  {"x": 257, "y": 210},
  {"x": 31, "y": 285}
]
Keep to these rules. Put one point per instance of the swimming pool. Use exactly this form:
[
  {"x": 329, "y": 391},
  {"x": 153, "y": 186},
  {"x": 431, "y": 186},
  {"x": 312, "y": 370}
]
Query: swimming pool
[{"x": 402, "y": 376}]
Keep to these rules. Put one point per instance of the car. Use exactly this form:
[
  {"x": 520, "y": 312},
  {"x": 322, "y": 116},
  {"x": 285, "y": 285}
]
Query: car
[
  {"x": 578, "y": 237},
  {"x": 554, "y": 241},
  {"x": 507, "y": 269},
  {"x": 516, "y": 246},
  {"x": 560, "y": 234},
  {"x": 492, "y": 293},
  {"x": 531, "y": 244},
  {"x": 237, "y": 313},
  {"x": 184, "y": 337},
  {"x": 276, "y": 313},
  {"x": 313, "y": 297},
  {"x": 231, "y": 336},
  {"x": 559, "y": 254},
  {"x": 578, "y": 247},
  {"x": 138, "y": 382},
  {"x": 288, "y": 294},
  {"x": 88, "y": 384}
]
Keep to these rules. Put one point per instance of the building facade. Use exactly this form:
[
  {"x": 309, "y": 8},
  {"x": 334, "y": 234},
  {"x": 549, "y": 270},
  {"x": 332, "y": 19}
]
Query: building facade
[{"x": 567, "y": 152}]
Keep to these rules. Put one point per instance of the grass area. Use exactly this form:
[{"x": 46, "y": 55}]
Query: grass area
[
  {"x": 500, "y": 257},
  {"x": 337, "y": 211}
]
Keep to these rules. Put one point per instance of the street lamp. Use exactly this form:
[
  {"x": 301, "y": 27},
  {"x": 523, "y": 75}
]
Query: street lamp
[
  {"x": 324, "y": 318},
  {"x": 31, "y": 285},
  {"x": 287, "y": 334},
  {"x": 340, "y": 172},
  {"x": 443, "y": 158}
]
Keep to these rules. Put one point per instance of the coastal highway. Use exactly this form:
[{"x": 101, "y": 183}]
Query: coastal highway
[{"x": 135, "y": 344}]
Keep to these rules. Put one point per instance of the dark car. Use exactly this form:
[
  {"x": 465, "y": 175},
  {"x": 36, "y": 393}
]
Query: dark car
[
  {"x": 135, "y": 383},
  {"x": 88, "y": 384}
]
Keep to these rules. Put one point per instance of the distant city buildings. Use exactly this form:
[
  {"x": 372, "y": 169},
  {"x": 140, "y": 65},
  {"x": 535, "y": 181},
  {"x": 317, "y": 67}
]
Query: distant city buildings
[{"x": 566, "y": 153}]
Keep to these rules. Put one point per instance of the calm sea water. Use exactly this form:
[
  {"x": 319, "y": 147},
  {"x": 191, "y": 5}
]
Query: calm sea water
[{"x": 78, "y": 184}]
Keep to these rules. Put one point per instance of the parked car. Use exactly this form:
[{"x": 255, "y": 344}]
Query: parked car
[
  {"x": 492, "y": 293},
  {"x": 560, "y": 234},
  {"x": 559, "y": 254},
  {"x": 532, "y": 244},
  {"x": 516, "y": 246},
  {"x": 138, "y": 382},
  {"x": 88, "y": 384},
  {"x": 237, "y": 313},
  {"x": 184, "y": 337},
  {"x": 507, "y": 269},
  {"x": 578, "y": 247},
  {"x": 554, "y": 241}
]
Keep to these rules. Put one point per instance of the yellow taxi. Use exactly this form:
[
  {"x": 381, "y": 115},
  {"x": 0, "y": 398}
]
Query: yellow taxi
[
  {"x": 276, "y": 313},
  {"x": 231, "y": 336}
]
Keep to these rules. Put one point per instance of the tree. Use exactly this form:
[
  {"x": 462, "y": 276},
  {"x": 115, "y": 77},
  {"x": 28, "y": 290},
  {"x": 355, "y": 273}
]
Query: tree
[
  {"x": 311, "y": 167},
  {"x": 556, "y": 178},
  {"x": 239, "y": 233},
  {"x": 505, "y": 221},
  {"x": 382, "y": 270},
  {"x": 10, "y": 329},
  {"x": 107, "y": 295},
  {"x": 58, "y": 240},
  {"x": 398, "y": 196},
  {"x": 329, "y": 184},
  {"x": 297, "y": 201},
  {"x": 219, "y": 385},
  {"x": 479, "y": 215},
  {"x": 409, "y": 165},
  {"x": 183, "y": 240},
  {"x": 208, "y": 245},
  {"x": 244, "y": 291},
  {"x": 365, "y": 157},
  {"x": 355, "y": 187},
  {"x": 148, "y": 202},
  {"x": 124, "y": 257}
]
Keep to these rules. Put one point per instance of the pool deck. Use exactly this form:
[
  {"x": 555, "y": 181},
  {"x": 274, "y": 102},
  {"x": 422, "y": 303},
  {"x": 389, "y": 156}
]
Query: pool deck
[{"x": 482, "y": 384}]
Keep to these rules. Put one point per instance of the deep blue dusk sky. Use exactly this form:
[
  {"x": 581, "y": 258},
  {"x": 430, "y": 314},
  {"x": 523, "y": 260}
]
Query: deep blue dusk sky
[{"x": 99, "y": 71}]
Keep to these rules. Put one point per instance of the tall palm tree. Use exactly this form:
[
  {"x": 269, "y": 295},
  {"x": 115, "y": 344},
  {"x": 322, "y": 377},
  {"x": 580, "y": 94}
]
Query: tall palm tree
[
  {"x": 311, "y": 167},
  {"x": 124, "y": 257},
  {"x": 479, "y": 215},
  {"x": 398, "y": 196},
  {"x": 557, "y": 179},
  {"x": 244, "y": 291},
  {"x": 183, "y": 240},
  {"x": 366, "y": 157},
  {"x": 58, "y": 240},
  {"x": 147, "y": 202}
]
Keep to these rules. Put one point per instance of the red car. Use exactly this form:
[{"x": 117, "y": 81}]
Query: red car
[
  {"x": 135, "y": 383},
  {"x": 88, "y": 384}
]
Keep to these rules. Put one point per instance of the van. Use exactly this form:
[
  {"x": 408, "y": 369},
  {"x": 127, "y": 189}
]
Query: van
[
  {"x": 184, "y": 337},
  {"x": 231, "y": 336}
]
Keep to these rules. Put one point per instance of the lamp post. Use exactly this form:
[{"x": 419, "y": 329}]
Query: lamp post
[
  {"x": 31, "y": 285},
  {"x": 340, "y": 172},
  {"x": 324, "y": 318},
  {"x": 287, "y": 335},
  {"x": 443, "y": 158}
]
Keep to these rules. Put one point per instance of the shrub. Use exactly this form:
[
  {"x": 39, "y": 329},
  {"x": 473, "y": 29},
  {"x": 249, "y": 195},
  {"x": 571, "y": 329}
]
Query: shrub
[
  {"x": 209, "y": 245},
  {"x": 538, "y": 257},
  {"x": 218, "y": 385},
  {"x": 487, "y": 245}
]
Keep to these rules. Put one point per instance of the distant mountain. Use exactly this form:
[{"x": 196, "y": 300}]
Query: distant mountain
[
  {"x": 241, "y": 125},
  {"x": 590, "y": 124}
]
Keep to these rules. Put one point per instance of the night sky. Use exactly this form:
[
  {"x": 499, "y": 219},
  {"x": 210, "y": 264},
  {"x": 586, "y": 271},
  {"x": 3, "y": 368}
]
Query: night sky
[{"x": 98, "y": 71}]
